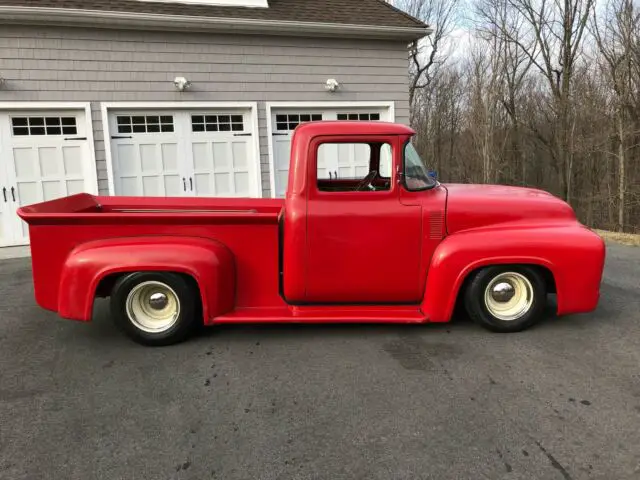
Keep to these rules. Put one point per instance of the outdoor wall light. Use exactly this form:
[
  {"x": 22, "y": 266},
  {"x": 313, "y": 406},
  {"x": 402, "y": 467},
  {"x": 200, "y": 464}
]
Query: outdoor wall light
[
  {"x": 332, "y": 85},
  {"x": 181, "y": 84}
]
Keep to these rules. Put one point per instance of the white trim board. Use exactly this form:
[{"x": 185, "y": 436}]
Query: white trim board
[
  {"x": 390, "y": 107},
  {"x": 106, "y": 107},
  {"x": 86, "y": 106}
]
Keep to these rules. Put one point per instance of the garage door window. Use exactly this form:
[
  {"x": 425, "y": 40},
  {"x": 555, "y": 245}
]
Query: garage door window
[
  {"x": 359, "y": 116},
  {"x": 145, "y": 123},
  {"x": 289, "y": 122},
  {"x": 37, "y": 126},
  {"x": 217, "y": 123}
]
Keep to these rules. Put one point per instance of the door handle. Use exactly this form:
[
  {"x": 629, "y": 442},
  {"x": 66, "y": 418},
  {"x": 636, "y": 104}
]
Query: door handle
[
  {"x": 184, "y": 184},
  {"x": 13, "y": 195},
  {"x": 4, "y": 194},
  {"x": 191, "y": 183}
]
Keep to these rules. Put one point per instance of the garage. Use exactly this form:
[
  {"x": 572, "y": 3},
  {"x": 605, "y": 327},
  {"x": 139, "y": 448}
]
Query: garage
[
  {"x": 344, "y": 162},
  {"x": 210, "y": 152},
  {"x": 45, "y": 153}
]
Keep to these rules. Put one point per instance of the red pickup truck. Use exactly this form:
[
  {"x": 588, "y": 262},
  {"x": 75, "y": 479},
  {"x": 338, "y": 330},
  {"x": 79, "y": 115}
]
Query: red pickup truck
[{"x": 385, "y": 242}]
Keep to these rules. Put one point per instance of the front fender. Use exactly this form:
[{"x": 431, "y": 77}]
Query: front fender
[
  {"x": 573, "y": 254},
  {"x": 209, "y": 262}
]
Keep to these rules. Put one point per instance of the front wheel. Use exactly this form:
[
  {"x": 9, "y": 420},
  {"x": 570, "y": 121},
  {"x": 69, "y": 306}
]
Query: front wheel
[
  {"x": 155, "y": 308},
  {"x": 506, "y": 298}
]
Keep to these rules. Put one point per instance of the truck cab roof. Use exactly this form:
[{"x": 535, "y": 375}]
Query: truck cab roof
[{"x": 352, "y": 127}]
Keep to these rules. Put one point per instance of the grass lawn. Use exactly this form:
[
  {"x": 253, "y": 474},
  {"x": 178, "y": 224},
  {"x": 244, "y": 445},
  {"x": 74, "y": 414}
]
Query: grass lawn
[{"x": 624, "y": 238}]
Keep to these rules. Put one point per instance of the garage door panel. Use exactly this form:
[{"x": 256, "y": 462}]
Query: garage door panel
[
  {"x": 169, "y": 157},
  {"x": 49, "y": 161},
  {"x": 24, "y": 161},
  {"x": 222, "y": 184},
  {"x": 72, "y": 159},
  {"x": 47, "y": 156},
  {"x": 129, "y": 186},
  {"x": 147, "y": 167},
  {"x": 241, "y": 184},
  {"x": 221, "y": 168},
  {"x": 75, "y": 186},
  {"x": 172, "y": 186},
  {"x": 126, "y": 159},
  {"x": 208, "y": 153},
  {"x": 150, "y": 158},
  {"x": 221, "y": 156},
  {"x": 240, "y": 156}
]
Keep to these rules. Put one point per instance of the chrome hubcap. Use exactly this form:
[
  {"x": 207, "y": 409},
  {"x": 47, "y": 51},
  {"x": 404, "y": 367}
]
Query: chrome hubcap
[
  {"x": 503, "y": 292},
  {"x": 509, "y": 296},
  {"x": 153, "y": 307},
  {"x": 158, "y": 301}
]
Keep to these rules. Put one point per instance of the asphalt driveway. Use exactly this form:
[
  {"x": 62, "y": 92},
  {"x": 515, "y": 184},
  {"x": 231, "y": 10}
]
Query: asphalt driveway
[{"x": 560, "y": 401}]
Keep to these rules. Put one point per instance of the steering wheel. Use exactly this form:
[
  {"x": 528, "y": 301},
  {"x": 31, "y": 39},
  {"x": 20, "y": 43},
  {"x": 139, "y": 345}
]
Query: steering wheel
[{"x": 366, "y": 181}]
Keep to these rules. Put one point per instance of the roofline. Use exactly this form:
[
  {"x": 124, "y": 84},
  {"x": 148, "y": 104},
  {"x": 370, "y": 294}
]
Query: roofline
[{"x": 152, "y": 21}]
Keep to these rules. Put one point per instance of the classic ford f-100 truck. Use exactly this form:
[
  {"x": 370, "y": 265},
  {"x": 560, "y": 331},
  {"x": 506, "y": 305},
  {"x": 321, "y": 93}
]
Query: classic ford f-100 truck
[{"x": 382, "y": 241}]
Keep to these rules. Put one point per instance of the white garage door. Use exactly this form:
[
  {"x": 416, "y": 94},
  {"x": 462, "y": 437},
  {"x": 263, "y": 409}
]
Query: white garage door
[
  {"x": 43, "y": 155},
  {"x": 184, "y": 153},
  {"x": 343, "y": 162}
]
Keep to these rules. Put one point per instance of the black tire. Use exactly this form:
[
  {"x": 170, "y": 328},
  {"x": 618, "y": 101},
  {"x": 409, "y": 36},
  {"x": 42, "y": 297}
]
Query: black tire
[
  {"x": 184, "y": 322},
  {"x": 476, "y": 306}
]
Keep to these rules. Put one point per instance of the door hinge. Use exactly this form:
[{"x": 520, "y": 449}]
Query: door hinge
[
  {"x": 76, "y": 138},
  {"x": 116, "y": 137},
  {"x": 242, "y": 134}
]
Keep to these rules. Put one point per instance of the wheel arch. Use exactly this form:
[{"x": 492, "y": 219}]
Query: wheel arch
[
  {"x": 90, "y": 271},
  {"x": 460, "y": 256}
]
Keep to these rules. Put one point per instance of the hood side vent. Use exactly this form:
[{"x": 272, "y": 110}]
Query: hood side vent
[{"x": 436, "y": 225}]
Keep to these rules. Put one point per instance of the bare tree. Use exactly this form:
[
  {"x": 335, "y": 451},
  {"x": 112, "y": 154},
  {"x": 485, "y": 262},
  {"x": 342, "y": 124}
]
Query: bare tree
[
  {"x": 617, "y": 40},
  {"x": 556, "y": 31},
  {"x": 547, "y": 95},
  {"x": 499, "y": 25},
  {"x": 427, "y": 55}
]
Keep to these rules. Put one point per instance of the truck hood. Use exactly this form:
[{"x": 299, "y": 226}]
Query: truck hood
[{"x": 474, "y": 206}]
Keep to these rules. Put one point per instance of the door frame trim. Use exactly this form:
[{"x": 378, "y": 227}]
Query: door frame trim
[
  {"x": 388, "y": 107},
  {"x": 91, "y": 181},
  {"x": 107, "y": 107}
]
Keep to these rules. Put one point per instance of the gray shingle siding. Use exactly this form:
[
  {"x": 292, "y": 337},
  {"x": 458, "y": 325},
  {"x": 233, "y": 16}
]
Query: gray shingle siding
[{"x": 85, "y": 65}]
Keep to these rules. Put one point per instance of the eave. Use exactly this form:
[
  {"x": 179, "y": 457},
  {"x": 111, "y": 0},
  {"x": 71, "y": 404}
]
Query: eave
[{"x": 152, "y": 21}]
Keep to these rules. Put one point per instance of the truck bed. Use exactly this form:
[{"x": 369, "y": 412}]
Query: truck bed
[
  {"x": 247, "y": 227},
  {"x": 91, "y": 209}
]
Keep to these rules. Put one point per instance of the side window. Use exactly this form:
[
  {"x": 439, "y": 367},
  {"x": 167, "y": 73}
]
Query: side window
[{"x": 351, "y": 167}]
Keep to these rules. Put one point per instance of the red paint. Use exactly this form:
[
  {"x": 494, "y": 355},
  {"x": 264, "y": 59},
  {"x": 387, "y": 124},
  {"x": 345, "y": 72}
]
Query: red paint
[{"x": 371, "y": 256}]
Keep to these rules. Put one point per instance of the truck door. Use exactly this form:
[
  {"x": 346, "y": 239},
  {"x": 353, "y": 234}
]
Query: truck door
[{"x": 363, "y": 244}]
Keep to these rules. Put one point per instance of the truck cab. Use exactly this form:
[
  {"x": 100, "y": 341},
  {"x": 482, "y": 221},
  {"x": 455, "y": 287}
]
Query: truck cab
[
  {"x": 346, "y": 236},
  {"x": 364, "y": 234}
]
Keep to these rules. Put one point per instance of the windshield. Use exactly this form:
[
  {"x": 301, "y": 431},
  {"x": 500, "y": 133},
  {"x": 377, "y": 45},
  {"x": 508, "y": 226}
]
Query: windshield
[{"x": 416, "y": 176}]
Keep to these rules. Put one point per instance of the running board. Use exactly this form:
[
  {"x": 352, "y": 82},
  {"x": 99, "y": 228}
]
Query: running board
[{"x": 324, "y": 315}]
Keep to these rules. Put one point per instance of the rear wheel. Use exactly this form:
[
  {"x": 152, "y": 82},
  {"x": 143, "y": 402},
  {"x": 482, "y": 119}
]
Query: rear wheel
[
  {"x": 155, "y": 308},
  {"x": 506, "y": 298}
]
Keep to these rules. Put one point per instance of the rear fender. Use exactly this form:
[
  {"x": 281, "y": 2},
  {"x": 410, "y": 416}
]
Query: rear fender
[
  {"x": 208, "y": 262},
  {"x": 573, "y": 254}
]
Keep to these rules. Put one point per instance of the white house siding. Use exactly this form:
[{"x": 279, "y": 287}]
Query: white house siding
[{"x": 94, "y": 65}]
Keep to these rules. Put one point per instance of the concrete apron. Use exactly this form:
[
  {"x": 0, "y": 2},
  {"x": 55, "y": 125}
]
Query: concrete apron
[{"x": 14, "y": 252}]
